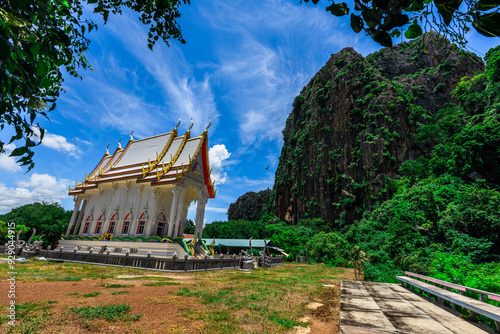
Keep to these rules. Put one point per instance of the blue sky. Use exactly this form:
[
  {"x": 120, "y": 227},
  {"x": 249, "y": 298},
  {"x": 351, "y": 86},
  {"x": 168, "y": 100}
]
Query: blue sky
[{"x": 242, "y": 66}]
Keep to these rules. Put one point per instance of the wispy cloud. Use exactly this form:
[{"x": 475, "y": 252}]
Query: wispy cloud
[
  {"x": 270, "y": 52},
  {"x": 8, "y": 163},
  {"x": 40, "y": 187},
  {"x": 185, "y": 94}
]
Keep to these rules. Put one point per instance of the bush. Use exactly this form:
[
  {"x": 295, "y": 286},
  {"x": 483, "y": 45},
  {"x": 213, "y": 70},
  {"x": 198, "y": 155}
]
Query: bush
[{"x": 330, "y": 248}]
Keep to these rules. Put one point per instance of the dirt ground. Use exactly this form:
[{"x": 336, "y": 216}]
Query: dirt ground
[{"x": 162, "y": 309}]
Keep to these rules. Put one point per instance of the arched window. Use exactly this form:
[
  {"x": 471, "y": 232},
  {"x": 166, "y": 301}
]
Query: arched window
[
  {"x": 162, "y": 225},
  {"x": 99, "y": 224},
  {"x": 112, "y": 223},
  {"x": 142, "y": 223},
  {"x": 88, "y": 221},
  {"x": 126, "y": 223}
]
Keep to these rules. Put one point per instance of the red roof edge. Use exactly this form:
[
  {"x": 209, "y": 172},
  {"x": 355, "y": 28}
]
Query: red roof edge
[{"x": 204, "y": 155}]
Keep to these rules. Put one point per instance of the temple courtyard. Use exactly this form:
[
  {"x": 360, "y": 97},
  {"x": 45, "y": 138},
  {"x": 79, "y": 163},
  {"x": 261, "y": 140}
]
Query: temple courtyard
[{"x": 81, "y": 298}]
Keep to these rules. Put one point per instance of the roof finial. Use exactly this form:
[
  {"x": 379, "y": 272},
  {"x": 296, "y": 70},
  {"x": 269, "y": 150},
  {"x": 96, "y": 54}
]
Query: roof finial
[
  {"x": 131, "y": 138},
  {"x": 119, "y": 144},
  {"x": 209, "y": 124},
  {"x": 178, "y": 123},
  {"x": 107, "y": 152},
  {"x": 192, "y": 123}
]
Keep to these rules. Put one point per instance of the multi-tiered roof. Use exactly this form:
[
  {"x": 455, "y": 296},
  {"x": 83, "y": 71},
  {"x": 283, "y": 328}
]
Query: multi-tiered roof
[{"x": 157, "y": 160}]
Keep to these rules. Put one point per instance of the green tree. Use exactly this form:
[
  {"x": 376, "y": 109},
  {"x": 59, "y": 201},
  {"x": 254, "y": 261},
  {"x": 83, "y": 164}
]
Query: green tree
[
  {"x": 329, "y": 248},
  {"x": 49, "y": 219},
  {"x": 40, "y": 37},
  {"x": 385, "y": 20},
  {"x": 234, "y": 229},
  {"x": 3, "y": 230}
]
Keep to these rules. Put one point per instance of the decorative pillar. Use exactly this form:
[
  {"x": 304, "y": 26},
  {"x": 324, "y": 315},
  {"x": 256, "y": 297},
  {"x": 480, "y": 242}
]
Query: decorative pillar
[
  {"x": 180, "y": 208},
  {"x": 80, "y": 218},
  {"x": 173, "y": 210},
  {"x": 184, "y": 217},
  {"x": 200, "y": 215},
  {"x": 109, "y": 212},
  {"x": 153, "y": 218},
  {"x": 136, "y": 215},
  {"x": 78, "y": 201}
]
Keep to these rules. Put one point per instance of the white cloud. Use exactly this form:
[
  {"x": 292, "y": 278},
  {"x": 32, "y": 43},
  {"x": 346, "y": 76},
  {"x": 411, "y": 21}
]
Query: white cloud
[
  {"x": 217, "y": 154},
  {"x": 214, "y": 209},
  {"x": 40, "y": 187},
  {"x": 7, "y": 163},
  {"x": 58, "y": 143}
]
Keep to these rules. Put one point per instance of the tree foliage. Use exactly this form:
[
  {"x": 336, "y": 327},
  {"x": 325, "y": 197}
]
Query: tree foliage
[
  {"x": 38, "y": 38},
  {"x": 49, "y": 219},
  {"x": 386, "y": 20}
]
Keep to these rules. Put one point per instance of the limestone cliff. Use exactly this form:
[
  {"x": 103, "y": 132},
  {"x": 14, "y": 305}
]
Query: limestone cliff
[
  {"x": 249, "y": 206},
  {"x": 354, "y": 124}
]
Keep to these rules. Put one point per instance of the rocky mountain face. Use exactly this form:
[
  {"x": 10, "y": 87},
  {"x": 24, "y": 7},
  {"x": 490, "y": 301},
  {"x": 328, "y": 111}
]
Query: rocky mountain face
[
  {"x": 250, "y": 206},
  {"x": 354, "y": 124}
]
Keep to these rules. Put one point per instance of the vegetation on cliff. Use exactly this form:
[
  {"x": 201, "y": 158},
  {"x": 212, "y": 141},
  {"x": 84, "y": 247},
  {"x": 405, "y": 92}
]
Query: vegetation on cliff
[{"x": 400, "y": 158}]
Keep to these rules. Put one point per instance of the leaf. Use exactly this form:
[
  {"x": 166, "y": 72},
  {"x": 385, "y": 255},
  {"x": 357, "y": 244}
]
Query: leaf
[
  {"x": 396, "y": 33},
  {"x": 487, "y": 4},
  {"x": 381, "y": 37},
  {"x": 396, "y": 20},
  {"x": 45, "y": 82},
  {"x": 19, "y": 151},
  {"x": 356, "y": 23},
  {"x": 446, "y": 8},
  {"x": 30, "y": 143},
  {"x": 488, "y": 24},
  {"x": 340, "y": 9},
  {"x": 416, "y": 6},
  {"x": 413, "y": 31}
]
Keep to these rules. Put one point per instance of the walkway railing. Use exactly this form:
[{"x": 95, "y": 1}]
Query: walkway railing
[{"x": 219, "y": 261}]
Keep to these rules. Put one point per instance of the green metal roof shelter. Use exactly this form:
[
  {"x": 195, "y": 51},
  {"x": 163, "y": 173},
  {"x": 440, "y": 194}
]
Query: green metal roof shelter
[{"x": 242, "y": 243}]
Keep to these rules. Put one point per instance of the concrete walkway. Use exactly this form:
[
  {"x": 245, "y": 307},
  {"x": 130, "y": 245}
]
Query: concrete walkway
[{"x": 377, "y": 308}]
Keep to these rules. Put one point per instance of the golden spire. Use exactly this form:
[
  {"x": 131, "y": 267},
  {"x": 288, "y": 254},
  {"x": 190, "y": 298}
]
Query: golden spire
[
  {"x": 119, "y": 144},
  {"x": 131, "y": 138},
  {"x": 76, "y": 184},
  {"x": 192, "y": 123},
  {"x": 69, "y": 187},
  {"x": 178, "y": 123},
  {"x": 107, "y": 152}
]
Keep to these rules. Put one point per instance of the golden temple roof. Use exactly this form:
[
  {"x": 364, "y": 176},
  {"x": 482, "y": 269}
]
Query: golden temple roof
[{"x": 157, "y": 160}]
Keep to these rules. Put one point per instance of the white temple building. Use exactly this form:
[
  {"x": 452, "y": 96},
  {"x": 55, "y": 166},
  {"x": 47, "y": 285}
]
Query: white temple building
[{"x": 142, "y": 192}]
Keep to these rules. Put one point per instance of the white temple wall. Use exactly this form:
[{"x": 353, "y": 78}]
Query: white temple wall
[
  {"x": 133, "y": 205},
  {"x": 93, "y": 201}
]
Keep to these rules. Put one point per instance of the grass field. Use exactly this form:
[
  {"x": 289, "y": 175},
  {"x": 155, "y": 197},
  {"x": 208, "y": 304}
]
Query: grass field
[{"x": 77, "y": 298}]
